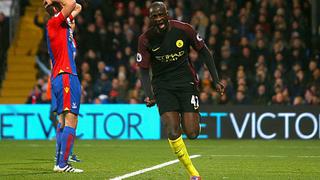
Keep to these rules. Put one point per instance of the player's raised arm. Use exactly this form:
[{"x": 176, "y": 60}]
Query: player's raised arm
[
  {"x": 67, "y": 6},
  {"x": 76, "y": 10}
]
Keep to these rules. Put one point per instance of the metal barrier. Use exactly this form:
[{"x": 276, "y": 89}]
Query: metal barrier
[{"x": 42, "y": 67}]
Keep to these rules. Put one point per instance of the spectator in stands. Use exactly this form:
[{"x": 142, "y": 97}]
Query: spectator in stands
[
  {"x": 114, "y": 93},
  {"x": 102, "y": 86},
  {"x": 87, "y": 92},
  {"x": 278, "y": 99},
  {"x": 226, "y": 57},
  {"x": 241, "y": 98},
  {"x": 316, "y": 77},
  {"x": 35, "y": 96},
  {"x": 261, "y": 49},
  {"x": 92, "y": 60},
  {"x": 299, "y": 84},
  {"x": 298, "y": 100},
  {"x": 123, "y": 85},
  {"x": 246, "y": 59},
  {"x": 204, "y": 98},
  {"x": 90, "y": 39},
  {"x": 132, "y": 71},
  {"x": 312, "y": 95},
  {"x": 84, "y": 69},
  {"x": 136, "y": 92},
  {"x": 206, "y": 81},
  {"x": 261, "y": 95},
  {"x": 313, "y": 73}
]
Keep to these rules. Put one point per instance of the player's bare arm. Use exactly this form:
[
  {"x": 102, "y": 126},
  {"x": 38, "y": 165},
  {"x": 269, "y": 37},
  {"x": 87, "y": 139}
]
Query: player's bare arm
[
  {"x": 76, "y": 10},
  {"x": 208, "y": 59},
  {"x": 67, "y": 6}
]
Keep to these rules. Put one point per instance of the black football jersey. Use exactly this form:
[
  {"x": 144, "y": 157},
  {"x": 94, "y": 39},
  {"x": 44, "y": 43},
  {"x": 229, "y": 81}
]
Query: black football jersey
[{"x": 168, "y": 55}]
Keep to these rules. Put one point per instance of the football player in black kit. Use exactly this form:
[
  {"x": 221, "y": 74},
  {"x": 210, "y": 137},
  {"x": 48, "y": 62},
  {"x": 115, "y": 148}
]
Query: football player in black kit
[{"x": 164, "y": 49}]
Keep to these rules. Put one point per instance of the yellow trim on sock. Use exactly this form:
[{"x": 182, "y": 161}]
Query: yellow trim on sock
[{"x": 176, "y": 140}]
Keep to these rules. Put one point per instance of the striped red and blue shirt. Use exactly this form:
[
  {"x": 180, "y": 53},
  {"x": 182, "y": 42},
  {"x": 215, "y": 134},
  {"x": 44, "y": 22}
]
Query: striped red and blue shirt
[{"x": 61, "y": 45}]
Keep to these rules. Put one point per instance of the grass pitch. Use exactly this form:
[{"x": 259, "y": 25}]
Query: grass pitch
[{"x": 220, "y": 159}]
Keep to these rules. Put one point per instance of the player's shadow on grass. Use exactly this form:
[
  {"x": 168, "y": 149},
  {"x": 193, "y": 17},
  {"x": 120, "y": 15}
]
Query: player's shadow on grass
[
  {"x": 31, "y": 161},
  {"x": 23, "y": 171},
  {"x": 20, "y": 172},
  {"x": 41, "y": 160}
]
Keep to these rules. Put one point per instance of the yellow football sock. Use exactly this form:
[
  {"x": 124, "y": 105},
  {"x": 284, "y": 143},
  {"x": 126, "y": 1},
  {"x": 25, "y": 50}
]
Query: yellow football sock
[{"x": 179, "y": 148}]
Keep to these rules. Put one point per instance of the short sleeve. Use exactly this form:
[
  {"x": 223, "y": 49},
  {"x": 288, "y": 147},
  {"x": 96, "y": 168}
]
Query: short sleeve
[
  {"x": 57, "y": 20},
  {"x": 143, "y": 55},
  {"x": 71, "y": 18},
  {"x": 196, "y": 40}
]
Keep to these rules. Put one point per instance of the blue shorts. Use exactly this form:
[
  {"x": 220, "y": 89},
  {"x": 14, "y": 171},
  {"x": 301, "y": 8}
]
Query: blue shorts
[{"x": 65, "y": 93}]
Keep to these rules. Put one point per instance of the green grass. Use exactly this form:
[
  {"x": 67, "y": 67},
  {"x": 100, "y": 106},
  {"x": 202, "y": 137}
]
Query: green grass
[{"x": 220, "y": 159}]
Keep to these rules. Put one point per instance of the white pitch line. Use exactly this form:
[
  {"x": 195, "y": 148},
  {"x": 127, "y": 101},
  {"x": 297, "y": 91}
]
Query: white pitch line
[
  {"x": 256, "y": 156},
  {"x": 150, "y": 169},
  {"x": 232, "y": 155},
  {"x": 308, "y": 156},
  {"x": 275, "y": 156},
  {"x": 241, "y": 155}
]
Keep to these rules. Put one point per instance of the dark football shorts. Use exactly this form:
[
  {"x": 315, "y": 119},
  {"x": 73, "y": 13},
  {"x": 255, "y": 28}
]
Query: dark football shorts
[{"x": 182, "y": 100}]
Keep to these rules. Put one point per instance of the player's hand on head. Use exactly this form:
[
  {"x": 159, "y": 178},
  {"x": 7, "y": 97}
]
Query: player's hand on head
[
  {"x": 83, "y": 3},
  {"x": 47, "y": 2},
  {"x": 220, "y": 88},
  {"x": 149, "y": 102}
]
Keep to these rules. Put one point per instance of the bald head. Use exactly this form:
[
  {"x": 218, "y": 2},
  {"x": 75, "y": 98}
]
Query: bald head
[
  {"x": 158, "y": 15},
  {"x": 157, "y": 8}
]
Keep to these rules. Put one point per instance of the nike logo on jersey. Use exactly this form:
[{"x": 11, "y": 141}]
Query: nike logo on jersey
[{"x": 155, "y": 49}]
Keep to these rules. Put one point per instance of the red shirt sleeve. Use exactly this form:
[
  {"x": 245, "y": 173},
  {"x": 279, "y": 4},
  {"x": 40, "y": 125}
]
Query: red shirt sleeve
[
  {"x": 71, "y": 17},
  {"x": 196, "y": 41},
  {"x": 57, "y": 20},
  {"x": 143, "y": 55}
]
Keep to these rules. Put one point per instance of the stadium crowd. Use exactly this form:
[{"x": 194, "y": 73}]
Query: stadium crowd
[{"x": 262, "y": 48}]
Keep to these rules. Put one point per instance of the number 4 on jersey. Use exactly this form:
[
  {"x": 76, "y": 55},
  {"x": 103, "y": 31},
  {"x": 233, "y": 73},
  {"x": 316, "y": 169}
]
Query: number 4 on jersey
[{"x": 195, "y": 101}]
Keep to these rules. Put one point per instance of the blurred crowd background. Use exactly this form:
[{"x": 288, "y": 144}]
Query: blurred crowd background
[{"x": 263, "y": 51}]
